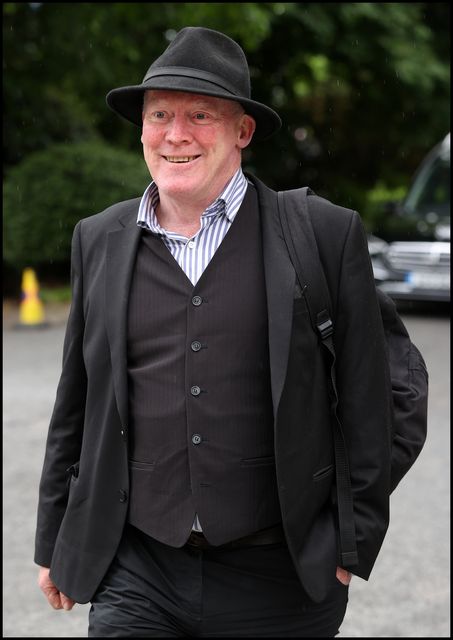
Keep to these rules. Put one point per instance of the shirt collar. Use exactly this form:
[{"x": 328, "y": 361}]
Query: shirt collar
[{"x": 224, "y": 204}]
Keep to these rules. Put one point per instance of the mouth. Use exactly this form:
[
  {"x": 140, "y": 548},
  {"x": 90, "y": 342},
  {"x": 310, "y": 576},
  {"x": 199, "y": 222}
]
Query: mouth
[{"x": 180, "y": 159}]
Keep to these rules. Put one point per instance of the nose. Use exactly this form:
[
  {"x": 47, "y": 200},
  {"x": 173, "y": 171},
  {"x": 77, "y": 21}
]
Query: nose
[{"x": 178, "y": 130}]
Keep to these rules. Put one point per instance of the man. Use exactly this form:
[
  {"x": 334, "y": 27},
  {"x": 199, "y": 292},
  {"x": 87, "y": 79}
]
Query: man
[{"x": 193, "y": 413}]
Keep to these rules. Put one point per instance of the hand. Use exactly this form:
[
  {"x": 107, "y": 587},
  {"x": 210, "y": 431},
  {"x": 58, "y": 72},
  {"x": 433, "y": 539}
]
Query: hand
[
  {"x": 56, "y": 599},
  {"x": 344, "y": 576}
]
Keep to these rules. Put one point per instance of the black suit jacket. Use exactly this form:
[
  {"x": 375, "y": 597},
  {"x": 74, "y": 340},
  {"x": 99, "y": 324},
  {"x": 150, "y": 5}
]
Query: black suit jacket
[{"x": 79, "y": 528}]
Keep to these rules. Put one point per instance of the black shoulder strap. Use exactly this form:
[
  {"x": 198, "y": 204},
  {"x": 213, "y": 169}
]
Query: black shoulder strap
[{"x": 303, "y": 250}]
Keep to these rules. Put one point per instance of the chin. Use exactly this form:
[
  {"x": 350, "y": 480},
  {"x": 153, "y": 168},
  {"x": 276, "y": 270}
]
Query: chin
[{"x": 177, "y": 186}]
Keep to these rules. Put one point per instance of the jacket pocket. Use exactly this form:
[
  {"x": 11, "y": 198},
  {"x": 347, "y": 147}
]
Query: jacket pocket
[
  {"x": 258, "y": 462},
  {"x": 141, "y": 466},
  {"x": 323, "y": 473}
]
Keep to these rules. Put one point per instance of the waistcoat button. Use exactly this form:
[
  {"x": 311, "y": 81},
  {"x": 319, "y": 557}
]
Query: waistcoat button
[
  {"x": 123, "y": 495},
  {"x": 197, "y": 300},
  {"x": 195, "y": 391},
  {"x": 195, "y": 346},
  {"x": 196, "y": 438}
]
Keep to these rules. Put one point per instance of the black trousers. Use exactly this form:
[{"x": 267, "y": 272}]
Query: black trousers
[{"x": 153, "y": 590}]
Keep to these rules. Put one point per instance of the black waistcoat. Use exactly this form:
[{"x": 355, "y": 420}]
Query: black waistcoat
[{"x": 201, "y": 438}]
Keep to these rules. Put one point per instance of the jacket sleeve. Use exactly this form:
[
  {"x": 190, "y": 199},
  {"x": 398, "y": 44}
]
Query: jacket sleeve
[
  {"x": 64, "y": 439},
  {"x": 362, "y": 375},
  {"x": 364, "y": 392}
]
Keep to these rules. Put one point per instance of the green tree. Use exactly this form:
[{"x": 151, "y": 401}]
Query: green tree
[{"x": 363, "y": 89}]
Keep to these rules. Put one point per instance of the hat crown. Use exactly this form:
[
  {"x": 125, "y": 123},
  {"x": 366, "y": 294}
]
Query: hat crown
[{"x": 208, "y": 52}]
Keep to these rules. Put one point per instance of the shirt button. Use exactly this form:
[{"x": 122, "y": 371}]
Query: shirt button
[
  {"x": 195, "y": 391},
  {"x": 195, "y": 346},
  {"x": 191, "y": 244},
  {"x": 196, "y": 301},
  {"x": 196, "y": 438}
]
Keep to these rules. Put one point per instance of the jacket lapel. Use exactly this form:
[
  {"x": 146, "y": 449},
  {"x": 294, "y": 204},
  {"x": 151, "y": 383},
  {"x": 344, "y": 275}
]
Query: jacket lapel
[
  {"x": 280, "y": 280},
  {"x": 122, "y": 247}
]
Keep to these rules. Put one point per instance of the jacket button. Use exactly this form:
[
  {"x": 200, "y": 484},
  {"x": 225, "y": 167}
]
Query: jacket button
[
  {"x": 197, "y": 300},
  {"x": 196, "y": 438},
  {"x": 195, "y": 346},
  {"x": 123, "y": 495},
  {"x": 195, "y": 391}
]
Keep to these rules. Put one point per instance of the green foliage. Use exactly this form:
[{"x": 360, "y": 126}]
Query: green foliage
[
  {"x": 377, "y": 202},
  {"x": 55, "y": 294},
  {"x": 46, "y": 195}
]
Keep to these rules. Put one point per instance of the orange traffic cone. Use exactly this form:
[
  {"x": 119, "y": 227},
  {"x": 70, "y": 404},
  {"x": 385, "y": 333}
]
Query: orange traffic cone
[{"x": 31, "y": 308}]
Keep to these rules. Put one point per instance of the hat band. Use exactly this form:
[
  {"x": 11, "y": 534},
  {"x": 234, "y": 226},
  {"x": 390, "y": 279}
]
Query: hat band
[{"x": 191, "y": 73}]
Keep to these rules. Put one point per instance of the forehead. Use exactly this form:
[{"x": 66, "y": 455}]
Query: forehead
[{"x": 182, "y": 98}]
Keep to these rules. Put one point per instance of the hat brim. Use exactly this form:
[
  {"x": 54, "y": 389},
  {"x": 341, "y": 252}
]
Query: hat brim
[{"x": 128, "y": 101}]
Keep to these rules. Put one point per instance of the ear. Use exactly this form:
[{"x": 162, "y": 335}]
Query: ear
[
  {"x": 143, "y": 120},
  {"x": 247, "y": 128}
]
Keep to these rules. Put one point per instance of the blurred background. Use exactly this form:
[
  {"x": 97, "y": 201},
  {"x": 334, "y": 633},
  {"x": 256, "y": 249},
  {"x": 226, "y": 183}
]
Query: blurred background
[{"x": 363, "y": 90}]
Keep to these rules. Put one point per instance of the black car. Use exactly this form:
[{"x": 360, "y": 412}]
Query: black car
[{"x": 411, "y": 256}]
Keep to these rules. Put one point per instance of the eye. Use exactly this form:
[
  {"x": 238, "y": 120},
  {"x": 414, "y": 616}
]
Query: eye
[
  {"x": 156, "y": 116},
  {"x": 201, "y": 116}
]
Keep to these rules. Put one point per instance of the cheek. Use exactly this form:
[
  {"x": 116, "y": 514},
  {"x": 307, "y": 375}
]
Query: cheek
[
  {"x": 150, "y": 136},
  {"x": 207, "y": 137}
]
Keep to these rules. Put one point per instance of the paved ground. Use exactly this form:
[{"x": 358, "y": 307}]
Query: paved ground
[{"x": 408, "y": 593}]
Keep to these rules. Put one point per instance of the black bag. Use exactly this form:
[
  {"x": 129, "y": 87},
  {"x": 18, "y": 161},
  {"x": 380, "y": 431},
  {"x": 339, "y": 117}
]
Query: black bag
[{"x": 408, "y": 373}]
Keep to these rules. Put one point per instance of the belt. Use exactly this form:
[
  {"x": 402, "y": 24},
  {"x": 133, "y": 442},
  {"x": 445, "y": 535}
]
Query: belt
[{"x": 271, "y": 535}]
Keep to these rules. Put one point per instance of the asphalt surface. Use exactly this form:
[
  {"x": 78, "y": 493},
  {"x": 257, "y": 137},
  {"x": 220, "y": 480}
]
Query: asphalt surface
[{"x": 408, "y": 594}]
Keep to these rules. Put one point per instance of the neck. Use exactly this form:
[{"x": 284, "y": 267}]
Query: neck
[
  {"x": 181, "y": 218},
  {"x": 181, "y": 213}
]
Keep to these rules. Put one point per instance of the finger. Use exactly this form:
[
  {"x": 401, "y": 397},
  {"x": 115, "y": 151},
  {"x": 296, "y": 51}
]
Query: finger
[
  {"x": 53, "y": 598},
  {"x": 67, "y": 602},
  {"x": 343, "y": 576}
]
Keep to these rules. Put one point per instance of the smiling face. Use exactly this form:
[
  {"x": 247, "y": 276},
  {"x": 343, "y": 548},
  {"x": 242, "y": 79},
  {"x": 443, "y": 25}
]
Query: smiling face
[{"x": 192, "y": 143}]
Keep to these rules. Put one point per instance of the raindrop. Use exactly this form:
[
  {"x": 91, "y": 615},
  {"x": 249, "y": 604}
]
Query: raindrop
[
  {"x": 300, "y": 134},
  {"x": 170, "y": 34}
]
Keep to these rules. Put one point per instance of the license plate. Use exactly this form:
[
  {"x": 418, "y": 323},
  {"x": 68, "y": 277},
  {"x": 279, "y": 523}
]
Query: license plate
[{"x": 429, "y": 280}]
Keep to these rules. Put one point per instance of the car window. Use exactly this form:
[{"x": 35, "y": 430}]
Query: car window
[{"x": 430, "y": 192}]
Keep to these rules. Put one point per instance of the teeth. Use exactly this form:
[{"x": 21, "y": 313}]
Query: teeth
[{"x": 180, "y": 159}]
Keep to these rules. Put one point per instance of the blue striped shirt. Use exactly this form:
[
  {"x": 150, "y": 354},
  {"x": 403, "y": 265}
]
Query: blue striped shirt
[{"x": 194, "y": 254}]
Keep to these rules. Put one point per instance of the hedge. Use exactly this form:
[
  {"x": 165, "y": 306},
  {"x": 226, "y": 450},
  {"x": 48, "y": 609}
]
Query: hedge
[{"x": 49, "y": 191}]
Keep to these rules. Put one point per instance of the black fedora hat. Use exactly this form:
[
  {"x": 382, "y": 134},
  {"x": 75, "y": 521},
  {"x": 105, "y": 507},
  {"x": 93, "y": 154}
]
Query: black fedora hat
[{"x": 202, "y": 61}]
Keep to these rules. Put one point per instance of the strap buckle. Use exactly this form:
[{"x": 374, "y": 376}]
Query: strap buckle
[{"x": 324, "y": 325}]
